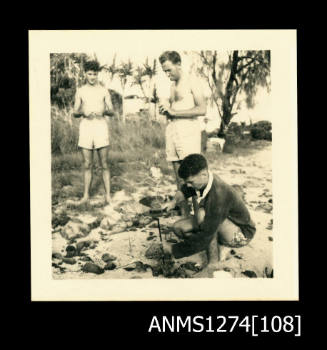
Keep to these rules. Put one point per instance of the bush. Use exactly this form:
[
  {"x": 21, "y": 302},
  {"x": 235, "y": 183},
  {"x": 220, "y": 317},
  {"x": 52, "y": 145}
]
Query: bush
[{"x": 261, "y": 130}]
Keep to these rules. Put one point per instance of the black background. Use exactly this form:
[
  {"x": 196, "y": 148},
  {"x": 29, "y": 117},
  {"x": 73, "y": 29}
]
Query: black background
[{"x": 70, "y": 323}]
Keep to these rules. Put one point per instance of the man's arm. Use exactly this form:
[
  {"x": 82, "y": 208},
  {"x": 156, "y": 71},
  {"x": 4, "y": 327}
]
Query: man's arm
[
  {"x": 77, "y": 105},
  {"x": 215, "y": 213}
]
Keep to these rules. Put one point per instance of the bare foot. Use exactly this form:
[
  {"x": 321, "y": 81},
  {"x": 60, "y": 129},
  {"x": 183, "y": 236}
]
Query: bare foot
[
  {"x": 207, "y": 272},
  {"x": 84, "y": 200},
  {"x": 108, "y": 200}
]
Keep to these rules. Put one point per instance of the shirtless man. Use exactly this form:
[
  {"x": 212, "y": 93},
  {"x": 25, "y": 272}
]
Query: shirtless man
[
  {"x": 186, "y": 103},
  {"x": 92, "y": 102}
]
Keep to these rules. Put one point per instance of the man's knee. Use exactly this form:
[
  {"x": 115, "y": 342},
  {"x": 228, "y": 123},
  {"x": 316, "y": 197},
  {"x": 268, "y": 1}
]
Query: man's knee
[
  {"x": 104, "y": 165},
  {"x": 178, "y": 229},
  {"x": 88, "y": 164}
]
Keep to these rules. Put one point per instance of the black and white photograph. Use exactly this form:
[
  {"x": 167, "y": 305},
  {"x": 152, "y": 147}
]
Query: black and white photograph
[{"x": 162, "y": 165}]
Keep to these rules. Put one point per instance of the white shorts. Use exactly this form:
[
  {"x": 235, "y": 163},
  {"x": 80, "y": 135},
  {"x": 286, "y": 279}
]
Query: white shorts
[
  {"x": 93, "y": 133},
  {"x": 183, "y": 137}
]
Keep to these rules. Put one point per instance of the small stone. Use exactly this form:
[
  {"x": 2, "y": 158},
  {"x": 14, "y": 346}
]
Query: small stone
[
  {"x": 86, "y": 258},
  {"x": 70, "y": 261},
  {"x": 129, "y": 268},
  {"x": 270, "y": 200},
  {"x": 105, "y": 224},
  {"x": 249, "y": 273},
  {"x": 56, "y": 256},
  {"x": 81, "y": 245},
  {"x": 92, "y": 268},
  {"x": 70, "y": 251},
  {"x": 74, "y": 230},
  {"x": 270, "y": 238},
  {"x": 156, "y": 270},
  {"x": 172, "y": 240},
  {"x": 108, "y": 257},
  {"x": 110, "y": 266},
  {"x": 150, "y": 238}
]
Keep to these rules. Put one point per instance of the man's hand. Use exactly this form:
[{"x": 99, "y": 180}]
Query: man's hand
[
  {"x": 166, "y": 110},
  {"x": 77, "y": 115},
  {"x": 92, "y": 115}
]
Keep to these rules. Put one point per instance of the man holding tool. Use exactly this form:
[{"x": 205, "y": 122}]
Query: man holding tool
[
  {"x": 220, "y": 215},
  {"x": 186, "y": 103}
]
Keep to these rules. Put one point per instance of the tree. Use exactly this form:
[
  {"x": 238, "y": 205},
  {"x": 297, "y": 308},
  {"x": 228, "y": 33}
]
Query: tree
[
  {"x": 66, "y": 70},
  {"x": 148, "y": 90},
  {"x": 243, "y": 72},
  {"x": 151, "y": 71},
  {"x": 125, "y": 71}
]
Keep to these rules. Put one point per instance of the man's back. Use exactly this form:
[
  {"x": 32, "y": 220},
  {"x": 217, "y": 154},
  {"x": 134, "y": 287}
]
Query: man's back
[{"x": 226, "y": 203}]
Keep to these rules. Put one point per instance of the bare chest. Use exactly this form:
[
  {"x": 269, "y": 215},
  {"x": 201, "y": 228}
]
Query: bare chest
[{"x": 181, "y": 91}]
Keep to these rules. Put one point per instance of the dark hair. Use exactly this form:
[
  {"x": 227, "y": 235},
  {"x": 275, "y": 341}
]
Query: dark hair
[
  {"x": 172, "y": 56},
  {"x": 91, "y": 65},
  {"x": 192, "y": 165}
]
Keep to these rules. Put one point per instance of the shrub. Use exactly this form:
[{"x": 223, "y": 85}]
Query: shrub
[{"x": 261, "y": 130}]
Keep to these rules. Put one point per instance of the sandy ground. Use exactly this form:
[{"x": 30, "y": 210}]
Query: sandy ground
[{"x": 127, "y": 232}]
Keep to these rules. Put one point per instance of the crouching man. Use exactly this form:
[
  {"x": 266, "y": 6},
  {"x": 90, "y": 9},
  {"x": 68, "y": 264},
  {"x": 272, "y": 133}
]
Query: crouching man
[{"x": 220, "y": 215}]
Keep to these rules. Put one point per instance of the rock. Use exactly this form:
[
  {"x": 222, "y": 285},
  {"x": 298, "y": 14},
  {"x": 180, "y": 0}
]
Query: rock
[
  {"x": 144, "y": 220},
  {"x": 75, "y": 229},
  {"x": 70, "y": 261},
  {"x": 58, "y": 243},
  {"x": 270, "y": 238},
  {"x": 249, "y": 273},
  {"x": 140, "y": 267},
  {"x": 133, "y": 208},
  {"x": 154, "y": 251},
  {"x": 156, "y": 270},
  {"x": 172, "y": 240},
  {"x": 118, "y": 229},
  {"x": 150, "y": 238},
  {"x": 85, "y": 258},
  {"x": 92, "y": 268},
  {"x": 81, "y": 245},
  {"x": 90, "y": 220},
  {"x": 110, "y": 266},
  {"x": 193, "y": 266},
  {"x": 268, "y": 272},
  {"x": 56, "y": 256},
  {"x": 112, "y": 215},
  {"x": 70, "y": 251},
  {"x": 108, "y": 257},
  {"x": 105, "y": 224},
  {"x": 60, "y": 219}
]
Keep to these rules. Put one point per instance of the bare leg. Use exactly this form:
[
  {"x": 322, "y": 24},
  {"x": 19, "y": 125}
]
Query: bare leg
[
  {"x": 213, "y": 253},
  {"x": 103, "y": 157},
  {"x": 185, "y": 227},
  {"x": 87, "y": 160},
  {"x": 183, "y": 205}
]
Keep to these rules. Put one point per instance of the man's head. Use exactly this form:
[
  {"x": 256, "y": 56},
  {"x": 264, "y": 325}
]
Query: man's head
[
  {"x": 171, "y": 64},
  {"x": 194, "y": 171},
  {"x": 91, "y": 69}
]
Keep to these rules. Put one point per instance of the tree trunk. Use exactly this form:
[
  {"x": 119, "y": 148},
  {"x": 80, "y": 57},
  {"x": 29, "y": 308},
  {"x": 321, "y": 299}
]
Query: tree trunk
[{"x": 228, "y": 99}]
